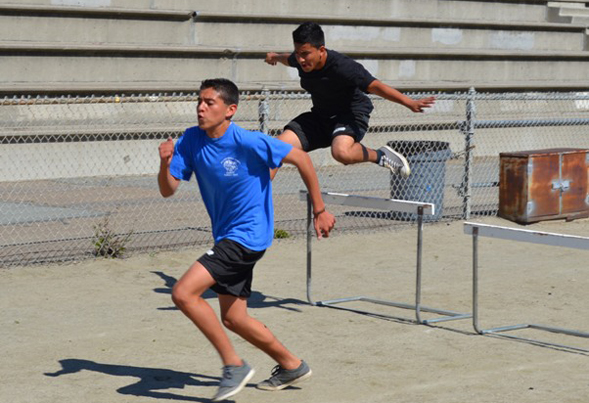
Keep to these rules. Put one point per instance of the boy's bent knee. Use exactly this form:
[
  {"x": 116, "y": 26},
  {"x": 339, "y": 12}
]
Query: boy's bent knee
[
  {"x": 235, "y": 324},
  {"x": 231, "y": 325},
  {"x": 342, "y": 155},
  {"x": 180, "y": 296},
  {"x": 177, "y": 299}
]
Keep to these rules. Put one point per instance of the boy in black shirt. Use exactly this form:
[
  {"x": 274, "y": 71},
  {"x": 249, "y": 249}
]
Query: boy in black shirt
[{"x": 341, "y": 110}]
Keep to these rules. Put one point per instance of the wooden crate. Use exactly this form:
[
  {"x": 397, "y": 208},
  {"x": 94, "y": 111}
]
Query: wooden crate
[{"x": 544, "y": 185}]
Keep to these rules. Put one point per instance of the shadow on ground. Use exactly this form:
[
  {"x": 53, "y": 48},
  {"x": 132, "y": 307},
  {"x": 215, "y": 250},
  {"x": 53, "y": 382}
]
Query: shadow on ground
[
  {"x": 153, "y": 382},
  {"x": 256, "y": 300}
]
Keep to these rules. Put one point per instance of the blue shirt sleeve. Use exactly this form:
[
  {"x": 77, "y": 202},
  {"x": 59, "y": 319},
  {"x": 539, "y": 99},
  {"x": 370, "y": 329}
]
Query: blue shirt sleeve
[
  {"x": 180, "y": 166},
  {"x": 272, "y": 151}
]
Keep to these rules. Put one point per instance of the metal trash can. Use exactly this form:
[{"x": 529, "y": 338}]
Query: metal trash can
[{"x": 426, "y": 183}]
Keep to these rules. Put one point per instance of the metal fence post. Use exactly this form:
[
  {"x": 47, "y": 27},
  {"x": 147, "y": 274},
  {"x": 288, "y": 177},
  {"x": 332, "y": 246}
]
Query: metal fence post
[
  {"x": 264, "y": 111},
  {"x": 468, "y": 140}
]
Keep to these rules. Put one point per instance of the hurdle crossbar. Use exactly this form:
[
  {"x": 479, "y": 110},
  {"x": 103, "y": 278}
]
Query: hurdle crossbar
[
  {"x": 418, "y": 208},
  {"x": 520, "y": 235}
]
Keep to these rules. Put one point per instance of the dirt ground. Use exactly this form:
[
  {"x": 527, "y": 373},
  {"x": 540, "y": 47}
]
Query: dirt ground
[{"x": 106, "y": 331}]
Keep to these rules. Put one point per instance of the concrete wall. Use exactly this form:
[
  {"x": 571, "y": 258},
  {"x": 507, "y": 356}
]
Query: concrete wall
[
  {"x": 410, "y": 70},
  {"x": 419, "y": 9},
  {"x": 245, "y": 35},
  {"x": 76, "y": 46},
  {"x": 128, "y": 46}
]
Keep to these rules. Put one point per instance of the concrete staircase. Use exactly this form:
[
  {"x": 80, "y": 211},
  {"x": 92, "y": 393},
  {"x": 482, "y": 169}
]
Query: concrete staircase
[
  {"x": 576, "y": 12},
  {"x": 108, "y": 46}
]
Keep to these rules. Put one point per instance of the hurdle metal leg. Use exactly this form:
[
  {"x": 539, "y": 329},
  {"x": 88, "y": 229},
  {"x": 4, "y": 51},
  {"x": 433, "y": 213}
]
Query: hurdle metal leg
[
  {"x": 417, "y": 307},
  {"x": 310, "y": 229},
  {"x": 544, "y": 238}
]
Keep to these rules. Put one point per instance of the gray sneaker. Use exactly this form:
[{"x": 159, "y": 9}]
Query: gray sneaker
[
  {"x": 394, "y": 161},
  {"x": 234, "y": 380},
  {"x": 281, "y": 378}
]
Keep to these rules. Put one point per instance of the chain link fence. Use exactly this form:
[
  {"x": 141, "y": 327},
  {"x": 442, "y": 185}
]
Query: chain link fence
[{"x": 78, "y": 174}]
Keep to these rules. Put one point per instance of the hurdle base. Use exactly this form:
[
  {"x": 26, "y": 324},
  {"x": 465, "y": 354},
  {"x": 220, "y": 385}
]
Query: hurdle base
[
  {"x": 500, "y": 331},
  {"x": 520, "y": 235},
  {"x": 418, "y": 208},
  {"x": 448, "y": 315}
]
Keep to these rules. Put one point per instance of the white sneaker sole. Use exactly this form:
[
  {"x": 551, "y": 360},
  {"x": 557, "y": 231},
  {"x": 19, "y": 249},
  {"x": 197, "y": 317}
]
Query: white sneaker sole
[
  {"x": 285, "y": 385},
  {"x": 238, "y": 389},
  {"x": 406, "y": 170}
]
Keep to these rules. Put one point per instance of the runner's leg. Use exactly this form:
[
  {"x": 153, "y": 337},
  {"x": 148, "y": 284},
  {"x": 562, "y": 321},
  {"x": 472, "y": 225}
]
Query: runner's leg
[
  {"x": 236, "y": 318},
  {"x": 346, "y": 150},
  {"x": 187, "y": 297}
]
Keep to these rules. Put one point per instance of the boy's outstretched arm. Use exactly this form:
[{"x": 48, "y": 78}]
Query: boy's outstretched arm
[
  {"x": 323, "y": 220},
  {"x": 167, "y": 183},
  {"x": 382, "y": 90},
  {"x": 274, "y": 58}
]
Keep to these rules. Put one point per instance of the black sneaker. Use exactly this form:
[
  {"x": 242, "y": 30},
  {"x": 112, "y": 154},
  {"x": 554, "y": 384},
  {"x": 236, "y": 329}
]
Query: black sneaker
[
  {"x": 394, "y": 161},
  {"x": 281, "y": 378},
  {"x": 233, "y": 381}
]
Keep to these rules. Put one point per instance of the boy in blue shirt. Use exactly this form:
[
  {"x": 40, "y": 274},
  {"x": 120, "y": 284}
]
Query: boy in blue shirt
[{"x": 232, "y": 166}]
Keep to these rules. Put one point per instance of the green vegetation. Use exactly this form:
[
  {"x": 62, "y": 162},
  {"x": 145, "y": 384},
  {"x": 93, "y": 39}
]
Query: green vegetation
[
  {"x": 106, "y": 243},
  {"x": 281, "y": 234}
]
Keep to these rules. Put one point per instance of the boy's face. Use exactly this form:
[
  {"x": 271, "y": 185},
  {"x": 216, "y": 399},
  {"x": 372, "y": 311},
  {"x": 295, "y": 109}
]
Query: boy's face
[
  {"x": 309, "y": 57},
  {"x": 212, "y": 111}
]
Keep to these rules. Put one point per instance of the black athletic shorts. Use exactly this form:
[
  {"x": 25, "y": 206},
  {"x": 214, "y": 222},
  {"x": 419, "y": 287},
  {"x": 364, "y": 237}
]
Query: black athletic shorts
[
  {"x": 317, "y": 131},
  {"x": 231, "y": 265}
]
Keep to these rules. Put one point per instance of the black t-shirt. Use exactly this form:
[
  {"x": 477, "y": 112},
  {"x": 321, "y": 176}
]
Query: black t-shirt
[{"x": 339, "y": 87}]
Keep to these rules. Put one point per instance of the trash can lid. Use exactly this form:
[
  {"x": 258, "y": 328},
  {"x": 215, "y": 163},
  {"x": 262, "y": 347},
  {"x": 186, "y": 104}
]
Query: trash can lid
[{"x": 409, "y": 148}]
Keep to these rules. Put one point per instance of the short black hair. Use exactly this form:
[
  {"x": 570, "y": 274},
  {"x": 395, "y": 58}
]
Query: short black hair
[
  {"x": 309, "y": 32},
  {"x": 227, "y": 89}
]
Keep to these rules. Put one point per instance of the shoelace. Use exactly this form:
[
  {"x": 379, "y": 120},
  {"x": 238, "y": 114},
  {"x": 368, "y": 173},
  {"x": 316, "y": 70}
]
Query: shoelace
[
  {"x": 387, "y": 161},
  {"x": 276, "y": 370},
  {"x": 227, "y": 374}
]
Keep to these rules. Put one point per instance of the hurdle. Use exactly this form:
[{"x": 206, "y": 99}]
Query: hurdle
[
  {"x": 520, "y": 235},
  {"x": 380, "y": 204}
]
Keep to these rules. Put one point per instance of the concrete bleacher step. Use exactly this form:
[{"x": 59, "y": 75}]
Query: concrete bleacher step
[
  {"x": 377, "y": 9},
  {"x": 573, "y": 12},
  {"x": 68, "y": 65},
  {"x": 163, "y": 46},
  {"x": 182, "y": 27},
  {"x": 60, "y": 10},
  {"x": 350, "y": 31},
  {"x": 218, "y": 31},
  {"x": 94, "y": 25},
  {"x": 521, "y": 11}
]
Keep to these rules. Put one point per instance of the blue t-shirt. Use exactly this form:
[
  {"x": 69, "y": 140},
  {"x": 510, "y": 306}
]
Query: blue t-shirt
[{"x": 233, "y": 174}]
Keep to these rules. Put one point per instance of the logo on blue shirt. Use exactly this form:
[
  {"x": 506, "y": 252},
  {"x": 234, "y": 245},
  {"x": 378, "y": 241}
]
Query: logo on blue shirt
[{"x": 231, "y": 165}]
